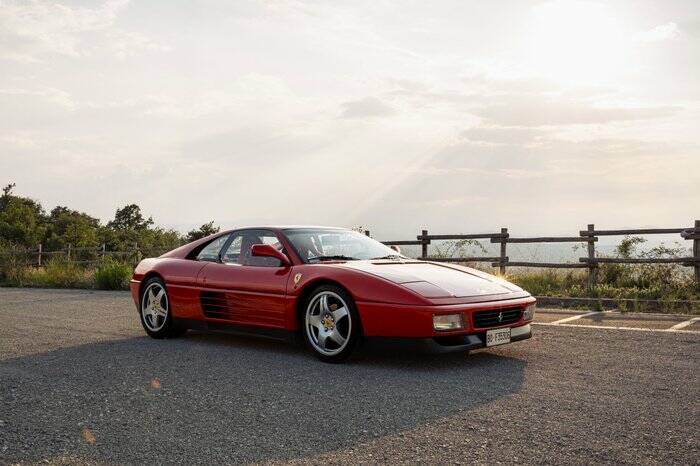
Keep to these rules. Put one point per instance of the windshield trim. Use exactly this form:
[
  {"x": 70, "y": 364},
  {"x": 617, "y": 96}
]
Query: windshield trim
[{"x": 305, "y": 260}]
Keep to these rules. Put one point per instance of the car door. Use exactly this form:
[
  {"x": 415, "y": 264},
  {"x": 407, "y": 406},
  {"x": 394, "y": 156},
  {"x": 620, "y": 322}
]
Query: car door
[{"x": 242, "y": 289}]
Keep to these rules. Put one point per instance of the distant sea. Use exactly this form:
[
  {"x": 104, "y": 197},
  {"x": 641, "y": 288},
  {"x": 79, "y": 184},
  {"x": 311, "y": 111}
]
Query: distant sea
[{"x": 558, "y": 252}]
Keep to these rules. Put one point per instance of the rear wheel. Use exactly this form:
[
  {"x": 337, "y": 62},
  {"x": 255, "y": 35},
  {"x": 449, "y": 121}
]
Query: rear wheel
[
  {"x": 332, "y": 326},
  {"x": 155, "y": 313}
]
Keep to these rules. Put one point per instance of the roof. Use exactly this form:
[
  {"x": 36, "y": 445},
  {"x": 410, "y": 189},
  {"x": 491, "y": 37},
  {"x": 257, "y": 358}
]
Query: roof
[{"x": 285, "y": 227}]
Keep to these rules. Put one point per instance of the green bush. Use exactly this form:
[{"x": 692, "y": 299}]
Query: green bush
[
  {"x": 60, "y": 273},
  {"x": 113, "y": 275},
  {"x": 57, "y": 273}
]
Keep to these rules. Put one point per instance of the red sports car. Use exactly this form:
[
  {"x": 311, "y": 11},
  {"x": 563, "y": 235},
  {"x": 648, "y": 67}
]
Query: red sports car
[{"x": 331, "y": 285}]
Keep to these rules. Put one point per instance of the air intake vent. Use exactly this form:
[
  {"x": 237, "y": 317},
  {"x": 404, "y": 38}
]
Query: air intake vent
[
  {"x": 484, "y": 319},
  {"x": 214, "y": 304}
]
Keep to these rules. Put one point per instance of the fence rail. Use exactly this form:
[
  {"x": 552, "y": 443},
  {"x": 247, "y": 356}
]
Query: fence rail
[
  {"x": 79, "y": 255},
  {"x": 589, "y": 236}
]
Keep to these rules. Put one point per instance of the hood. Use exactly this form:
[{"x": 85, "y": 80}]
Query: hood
[{"x": 437, "y": 280}]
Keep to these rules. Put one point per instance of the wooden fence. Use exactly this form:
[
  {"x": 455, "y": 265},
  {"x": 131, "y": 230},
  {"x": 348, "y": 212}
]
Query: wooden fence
[
  {"x": 78, "y": 255},
  {"x": 589, "y": 236}
]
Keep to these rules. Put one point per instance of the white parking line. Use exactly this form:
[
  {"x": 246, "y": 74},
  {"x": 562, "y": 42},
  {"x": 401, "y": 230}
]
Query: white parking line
[
  {"x": 577, "y": 317},
  {"x": 635, "y": 329},
  {"x": 684, "y": 324}
]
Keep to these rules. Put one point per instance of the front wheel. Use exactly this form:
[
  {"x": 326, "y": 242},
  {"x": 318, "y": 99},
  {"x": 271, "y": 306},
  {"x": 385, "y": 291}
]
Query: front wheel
[
  {"x": 332, "y": 327},
  {"x": 155, "y": 313}
]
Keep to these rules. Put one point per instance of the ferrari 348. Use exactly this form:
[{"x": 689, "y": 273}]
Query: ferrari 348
[{"x": 331, "y": 286}]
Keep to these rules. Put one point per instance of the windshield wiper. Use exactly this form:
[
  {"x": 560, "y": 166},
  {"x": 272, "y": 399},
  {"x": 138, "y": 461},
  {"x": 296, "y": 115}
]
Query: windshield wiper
[
  {"x": 390, "y": 256},
  {"x": 333, "y": 258}
]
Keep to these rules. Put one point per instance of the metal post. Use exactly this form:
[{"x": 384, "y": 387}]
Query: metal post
[
  {"x": 39, "y": 256},
  {"x": 424, "y": 244},
  {"x": 68, "y": 252},
  {"x": 504, "y": 238},
  {"x": 696, "y": 252},
  {"x": 592, "y": 266}
]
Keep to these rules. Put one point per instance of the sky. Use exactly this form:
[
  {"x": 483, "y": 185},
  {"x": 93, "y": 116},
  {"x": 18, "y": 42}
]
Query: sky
[{"x": 455, "y": 116}]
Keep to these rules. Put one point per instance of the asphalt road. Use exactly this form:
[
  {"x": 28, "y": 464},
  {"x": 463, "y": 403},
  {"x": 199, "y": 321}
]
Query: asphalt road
[{"x": 80, "y": 383}]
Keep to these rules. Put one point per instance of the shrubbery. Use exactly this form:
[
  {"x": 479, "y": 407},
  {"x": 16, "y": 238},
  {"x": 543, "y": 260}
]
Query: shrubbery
[
  {"x": 57, "y": 273},
  {"x": 113, "y": 275}
]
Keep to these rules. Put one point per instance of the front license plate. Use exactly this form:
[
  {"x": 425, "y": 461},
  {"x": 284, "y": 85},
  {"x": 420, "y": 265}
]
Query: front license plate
[{"x": 498, "y": 336}]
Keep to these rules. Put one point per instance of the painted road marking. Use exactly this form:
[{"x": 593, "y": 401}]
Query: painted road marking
[
  {"x": 635, "y": 329},
  {"x": 576, "y": 317},
  {"x": 684, "y": 324}
]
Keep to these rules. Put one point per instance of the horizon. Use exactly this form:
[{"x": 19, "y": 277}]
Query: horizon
[{"x": 459, "y": 117}]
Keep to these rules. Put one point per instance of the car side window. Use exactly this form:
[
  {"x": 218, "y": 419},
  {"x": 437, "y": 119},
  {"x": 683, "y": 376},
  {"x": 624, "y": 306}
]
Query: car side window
[
  {"x": 230, "y": 256},
  {"x": 239, "y": 251},
  {"x": 211, "y": 251}
]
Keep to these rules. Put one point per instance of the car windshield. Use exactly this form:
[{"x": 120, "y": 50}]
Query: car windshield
[{"x": 318, "y": 244}]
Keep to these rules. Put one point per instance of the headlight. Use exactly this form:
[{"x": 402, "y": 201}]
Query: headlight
[
  {"x": 445, "y": 322},
  {"x": 529, "y": 313}
]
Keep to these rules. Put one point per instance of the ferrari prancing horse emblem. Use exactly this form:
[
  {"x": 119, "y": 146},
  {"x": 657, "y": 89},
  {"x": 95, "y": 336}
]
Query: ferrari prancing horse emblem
[{"x": 297, "y": 279}]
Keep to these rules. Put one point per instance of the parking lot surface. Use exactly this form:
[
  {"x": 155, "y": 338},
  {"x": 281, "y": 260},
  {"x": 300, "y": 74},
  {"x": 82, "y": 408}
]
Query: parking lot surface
[{"x": 81, "y": 383}]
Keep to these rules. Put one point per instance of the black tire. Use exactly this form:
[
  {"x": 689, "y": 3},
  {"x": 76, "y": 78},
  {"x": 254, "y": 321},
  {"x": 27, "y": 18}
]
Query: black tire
[
  {"x": 348, "y": 325},
  {"x": 157, "y": 328}
]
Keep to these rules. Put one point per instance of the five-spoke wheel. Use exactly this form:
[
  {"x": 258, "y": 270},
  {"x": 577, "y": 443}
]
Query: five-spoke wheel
[
  {"x": 155, "y": 310},
  {"x": 154, "y": 306},
  {"x": 331, "y": 325}
]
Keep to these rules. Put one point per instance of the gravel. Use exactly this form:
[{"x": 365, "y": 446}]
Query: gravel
[{"x": 80, "y": 383}]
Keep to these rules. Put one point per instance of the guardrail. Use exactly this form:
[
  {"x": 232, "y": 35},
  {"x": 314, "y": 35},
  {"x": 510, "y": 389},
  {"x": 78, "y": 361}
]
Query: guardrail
[{"x": 589, "y": 236}]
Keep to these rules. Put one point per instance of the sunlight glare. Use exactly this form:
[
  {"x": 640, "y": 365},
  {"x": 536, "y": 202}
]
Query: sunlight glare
[{"x": 575, "y": 42}]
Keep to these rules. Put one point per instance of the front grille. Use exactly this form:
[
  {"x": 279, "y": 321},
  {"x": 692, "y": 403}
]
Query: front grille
[{"x": 496, "y": 317}]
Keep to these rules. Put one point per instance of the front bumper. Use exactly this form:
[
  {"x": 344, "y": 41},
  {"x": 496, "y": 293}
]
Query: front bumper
[
  {"x": 135, "y": 288},
  {"x": 405, "y": 321},
  {"x": 445, "y": 344}
]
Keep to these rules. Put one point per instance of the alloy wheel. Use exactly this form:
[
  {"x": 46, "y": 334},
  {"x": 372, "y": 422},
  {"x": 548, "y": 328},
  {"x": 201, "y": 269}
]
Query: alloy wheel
[
  {"x": 328, "y": 323},
  {"x": 154, "y": 307}
]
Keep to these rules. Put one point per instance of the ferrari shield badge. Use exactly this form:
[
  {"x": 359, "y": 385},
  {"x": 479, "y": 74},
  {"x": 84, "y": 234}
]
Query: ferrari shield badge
[{"x": 297, "y": 279}]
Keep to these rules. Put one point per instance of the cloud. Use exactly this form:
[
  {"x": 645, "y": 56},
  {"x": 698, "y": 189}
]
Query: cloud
[
  {"x": 663, "y": 32},
  {"x": 502, "y": 135},
  {"x": 253, "y": 146},
  {"x": 32, "y": 30},
  {"x": 368, "y": 107},
  {"x": 519, "y": 110}
]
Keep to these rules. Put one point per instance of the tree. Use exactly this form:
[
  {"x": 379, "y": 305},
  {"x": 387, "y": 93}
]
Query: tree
[
  {"x": 203, "y": 231},
  {"x": 129, "y": 217},
  {"x": 7, "y": 190},
  {"x": 129, "y": 228},
  {"x": 22, "y": 220},
  {"x": 66, "y": 226}
]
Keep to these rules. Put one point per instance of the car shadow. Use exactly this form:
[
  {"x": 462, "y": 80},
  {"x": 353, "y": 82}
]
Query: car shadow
[{"x": 217, "y": 398}]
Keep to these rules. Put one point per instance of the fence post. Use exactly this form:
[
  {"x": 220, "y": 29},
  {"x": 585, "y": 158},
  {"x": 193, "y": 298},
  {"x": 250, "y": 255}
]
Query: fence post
[
  {"x": 39, "y": 256},
  {"x": 504, "y": 238},
  {"x": 138, "y": 252},
  {"x": 592, "y": 266},
  {"x": 424, "y": 244},
  {"x": 696, "y": 252},
  {"x": 367, "y": 233},
  {"x": 104, "y": 250},
  {"x": 68, "y": 252}
]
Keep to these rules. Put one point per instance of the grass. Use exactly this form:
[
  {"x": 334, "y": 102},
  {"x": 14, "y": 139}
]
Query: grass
[
  {"x": 648, "y": 281},
  {"x": 112, "y": 275},
  {"x": 658, "y": 282},
  {"x": 59, "y": 273}
]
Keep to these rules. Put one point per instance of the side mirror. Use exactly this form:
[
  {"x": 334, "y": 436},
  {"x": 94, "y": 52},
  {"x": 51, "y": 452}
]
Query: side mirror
[
  {"x": 395, "y": 248},
  {"x": 268, "y": 250}
]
